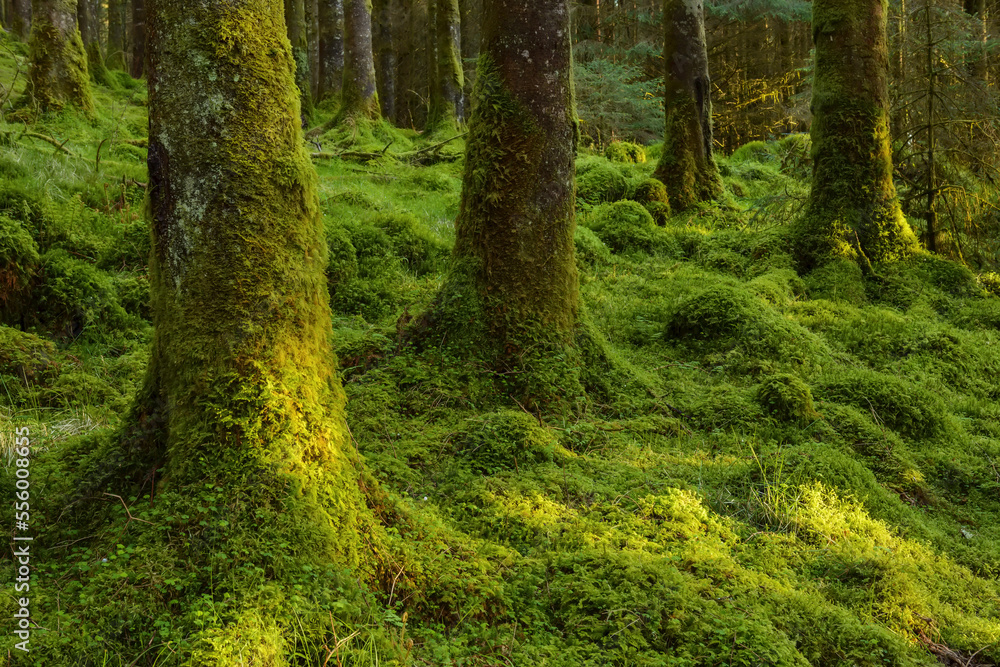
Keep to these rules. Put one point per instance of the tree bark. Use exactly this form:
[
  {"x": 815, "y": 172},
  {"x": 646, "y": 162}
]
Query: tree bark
[
  {"x": 116, "y": 34},
  {"x": 687, "y": 166},
  {"x": 137, "y": 66},
  {"x": 359, "y": 94},
  {"x": 331, "y": 48},
  {"x": 448, "y": 80},
  {"x": 853, "y": 210},
  {"x": 58, "y": 76},
  {"x": 514, "y": 278},
  {"x": 471, "y": 11}
]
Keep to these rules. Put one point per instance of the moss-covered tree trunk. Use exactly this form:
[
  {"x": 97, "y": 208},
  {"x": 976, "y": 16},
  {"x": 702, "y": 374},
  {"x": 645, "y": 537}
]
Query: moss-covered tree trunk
[
  {"x": 853, "y": 210},
  {"x": 90, "y": 33},
  {"x": 116, "y": 34},
  {"x": 514, "y": 276},
  {"x": 58, "y": 74},
  {"x": 385, "y": 55},
  {"x": 687, "y": 166},
  {"x": 241, "y": 352},
  {"x": 448, "y": 78},
  {"x": 359, "y": 94},
  {"x": 295, "y": 21},
  {"x": 331, "y": 48},
  {"x": 137, "y": 41},
  {"x": 19, "y": 18}
]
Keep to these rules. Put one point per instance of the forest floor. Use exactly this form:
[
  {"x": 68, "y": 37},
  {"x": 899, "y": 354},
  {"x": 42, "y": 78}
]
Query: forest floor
[{"x": 767, "y": 468}]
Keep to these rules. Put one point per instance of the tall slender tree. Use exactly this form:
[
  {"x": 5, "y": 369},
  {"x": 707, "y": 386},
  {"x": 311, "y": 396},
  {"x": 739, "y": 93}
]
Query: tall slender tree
[
  {"x": 295, "y": 20},
  {"x": 19, "y": 18},
  {"x": 137, "y": 41},
  {"x": 116, "y": 34},
  {"x": 90, "y": 33},
  {"x": 58, "y": 76},
  {"x": 385, "y": 55},
  {"x": 514, "y": 276},
  {"x": 447, "y": 75},
  {"x": 853, "y": 209},
  {"x": 359, "y": 93},
  {"x": 686, "y": 166},
  {"x": 331, "y": 48}
]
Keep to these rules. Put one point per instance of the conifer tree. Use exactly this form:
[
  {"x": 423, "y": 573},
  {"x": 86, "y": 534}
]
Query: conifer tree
[
  {"x": 58, "y": 74},
  {"x": 853, "y": 209},
  {"x": 359, "y": 93},
  {"x": 514, "y": 279},
  {"x": 687, "y": 166},
  {"x": 447, "y": 80},
  {"x": 116, "y": 34}
]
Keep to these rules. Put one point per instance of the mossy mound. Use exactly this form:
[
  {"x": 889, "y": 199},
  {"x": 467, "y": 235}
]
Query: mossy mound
[
  {"x": 19, "y": 260},
  {"x": 624, "y": 226},
  {"x": 727, "y": 318},
  {"x": 787, "y": 397},
  {"x": 625, "y": 151},
  {"x": 590, "y": 249},
  {"x": 599, "y": 181},
  {"x": 907, "y": 409},
  {"x": 504, "y": 440}
]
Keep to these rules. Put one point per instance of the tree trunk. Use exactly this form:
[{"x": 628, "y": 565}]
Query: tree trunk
[
  {"x": 331, "y": 48},
  {"x": 90, "y": 32},
  {"x": 312, "y": 38},
  {"x": 385, "y": 55},
  {"x": 359, "y": 94},
  {"x": 514, "y": 278},
  {"x": 295, "y": 20},
  {"x": 448, "y": 83},
  {"x": 687, "y": 166},
  {"x": 116, "y": 34},
  {"x": 471, "y": 11},
  {"x": 58, "y": 73},
  {"x": 20, "y": 19},
  {"x": 138, "y": 40},
  {"x": 979, "y": 61},
  {"x": 853, "y": 210},
  {"x": 242, "y": 382},
  {"x": 242, "y": 350}
]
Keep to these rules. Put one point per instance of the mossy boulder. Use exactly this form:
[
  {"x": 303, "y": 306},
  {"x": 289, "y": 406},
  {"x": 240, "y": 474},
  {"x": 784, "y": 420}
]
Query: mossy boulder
[
  {"x": 600, "y": 182},
  {"x": 652, "y": 194},
  {"x": 625, "y": 151},
  {"x": 624, "y": 226},
  {"x": 504, "y": 440},
  {"x": 787, "y": 398},
  {"x": 837, "y": 280}
]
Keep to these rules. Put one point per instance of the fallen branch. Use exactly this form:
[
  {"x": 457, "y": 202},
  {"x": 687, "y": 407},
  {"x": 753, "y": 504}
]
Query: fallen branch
[{"x": 59, "y": 146}]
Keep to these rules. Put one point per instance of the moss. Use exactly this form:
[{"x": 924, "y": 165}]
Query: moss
[
  {"x": 19, "y": 260},
  {"x": 590, "y": 249},
  {"x": 601, "y": 183},
  {"x": 504, "y": 440},
  {"x": 624, "y": 226},
  {"x": 422, "y": 251},
  {"x": 907, "y": 409},
  {"x": 625, "y": 151},
  {"x": 787, "y": 397},
  {"x": 838, "y": 280},
  {"x": 723, "y": 317},
  {"x": 73, "y": 297}
]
